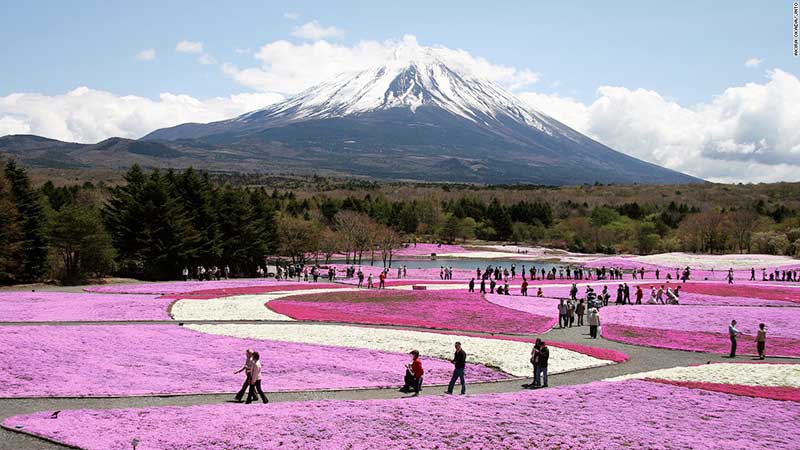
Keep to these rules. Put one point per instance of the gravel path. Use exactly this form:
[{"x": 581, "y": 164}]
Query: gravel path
[{"x": 642, "y": 359}]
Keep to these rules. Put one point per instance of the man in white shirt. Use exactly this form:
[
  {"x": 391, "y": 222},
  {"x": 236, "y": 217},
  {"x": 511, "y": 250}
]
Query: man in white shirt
[{"x": 734, "y": 333}]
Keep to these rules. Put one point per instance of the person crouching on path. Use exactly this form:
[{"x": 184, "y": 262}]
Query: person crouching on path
[
  {"x": 255, "y": 381},
  {"x": 247, "y": 368},
  {"x": 417, "y": 371},
  {"x": 761, "y": 340},
  {"x": 460, "y": 362}
]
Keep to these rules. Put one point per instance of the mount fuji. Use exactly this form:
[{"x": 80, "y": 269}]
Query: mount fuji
[{"x": 420, "y": 115}]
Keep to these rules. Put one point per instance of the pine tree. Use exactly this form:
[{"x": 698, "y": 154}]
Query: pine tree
[
  {"x": 32, "y": 222},
  {"x": 10, "y": 235}
]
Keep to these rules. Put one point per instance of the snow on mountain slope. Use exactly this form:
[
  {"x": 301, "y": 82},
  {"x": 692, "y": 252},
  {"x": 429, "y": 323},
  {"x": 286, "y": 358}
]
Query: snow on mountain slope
[{"x": 412, "y": 77}]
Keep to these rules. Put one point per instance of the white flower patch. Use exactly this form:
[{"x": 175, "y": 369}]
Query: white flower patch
[
  {"x": 237, "y": 307},
  {"x": 511, "y": 357},
  {"x": 787, "y": 375},
  {"x": 736, "y": 261}
]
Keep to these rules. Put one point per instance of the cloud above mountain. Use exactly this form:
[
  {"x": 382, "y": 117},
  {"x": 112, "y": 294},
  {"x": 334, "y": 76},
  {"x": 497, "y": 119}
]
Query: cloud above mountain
[{"x": 88, "y": 115}]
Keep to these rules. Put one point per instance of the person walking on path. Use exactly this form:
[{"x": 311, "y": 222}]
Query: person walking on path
[
  {"x": 639, "y": 295},
  {"x": 255, "y": 381},
  {"x": 571, "y": 312},
  {"x": 626, "y": 290},
  {"x": 483, "y": 285},
  {"x": 734, "y": 334},
  {"x": 594, "y": 322},
  {"x": 524, "y": 287},
  {"x": 544, "y": 355},
  {"x": 535, "y": 355},
  {"x": 580, "y": 311},
  {"x": 573, "y": 291},
  {"x": 459, "y": 362},
  {"x": 562, "y": 314},
  {"x": 472, "y": 285},
  {"x": 382, "y": 280},
  {"x": 761, "y": 340},
  {"x": 247, "y": 368}
]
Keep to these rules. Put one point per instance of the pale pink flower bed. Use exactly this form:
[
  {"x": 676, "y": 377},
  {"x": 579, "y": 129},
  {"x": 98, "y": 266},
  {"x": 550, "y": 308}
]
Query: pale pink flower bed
[
  {"x": 780, "y": 321},
  {"x": 703, "y": 328},
  {"x": 442, "y": 309},
  {"x": 698, "y": 341},
  {"x": 547, "y": 418},
  {"x": 178, "y": 287},
  {"x": 70, "y": 306},
  {"x": 745, "y": 290},
  {"x": 688, "y": 298},
  {"x": 539, "y": 306},
  {"x": 124, "y": 360}
]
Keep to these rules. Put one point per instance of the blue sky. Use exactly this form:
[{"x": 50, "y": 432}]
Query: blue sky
[
  {"x": 705, "y": 87},
  {"x": 687, "y": 51}
]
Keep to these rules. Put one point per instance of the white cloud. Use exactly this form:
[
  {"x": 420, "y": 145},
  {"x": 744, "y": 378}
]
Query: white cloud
[
  {"x": 189, "y": 47},
  {"x": 747, "y": 133},
  {"x": 147, "y": 54},
  {"x": 206, "y": 59},
  {"x": 13, "y": 125},
  {"x": 753, "y": 62},
  {"x": 284, "y": 66},
  {"x": 313, "y": 31},
  {"x": 291, "y": 15},
  {"x": 89, "y": 115}
]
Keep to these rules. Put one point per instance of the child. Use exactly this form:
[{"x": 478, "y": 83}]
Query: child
[{"x": 761, "y": 340}]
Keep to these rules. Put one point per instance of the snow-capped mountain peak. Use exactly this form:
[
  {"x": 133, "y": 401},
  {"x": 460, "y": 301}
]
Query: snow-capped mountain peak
[{"x": 412, "y": 77}]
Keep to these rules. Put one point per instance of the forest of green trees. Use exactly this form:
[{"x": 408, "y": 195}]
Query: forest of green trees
[{"x": 154, "y": 223}]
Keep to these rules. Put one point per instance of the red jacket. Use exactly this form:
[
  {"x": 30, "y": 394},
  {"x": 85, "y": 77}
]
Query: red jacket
[{"x": 416, "y": 368}]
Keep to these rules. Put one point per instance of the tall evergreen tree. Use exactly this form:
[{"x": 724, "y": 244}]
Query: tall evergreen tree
[
  {"x": 32, "y": 222},
  {"x": 10, "y": 236},
  {"x": 150, "y": 230}
]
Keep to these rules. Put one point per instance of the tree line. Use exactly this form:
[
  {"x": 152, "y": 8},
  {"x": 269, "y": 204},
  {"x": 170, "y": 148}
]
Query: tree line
[{"x": 155, "y": 223}]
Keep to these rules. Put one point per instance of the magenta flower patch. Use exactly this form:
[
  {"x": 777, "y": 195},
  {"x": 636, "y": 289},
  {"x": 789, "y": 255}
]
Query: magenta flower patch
[{"x": 443, "y": 309}]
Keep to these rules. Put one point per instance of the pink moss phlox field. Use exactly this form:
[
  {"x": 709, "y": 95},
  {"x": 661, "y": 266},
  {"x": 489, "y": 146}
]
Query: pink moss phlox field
[
  {"x": 749, "y": 290},
  {"x": 444, "y": 309},
  {"x": 72, "y": 306},
  {"x": 690, "y": 298},
  {"x": 697, "y": 341},
  {"x": 122, "y": 360},
  {"x": 781, "y": 322},
  {"x": 772, "y": 392},
  {"x": 548, "y": 418},
  {"x": 179, "y": 287}
]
